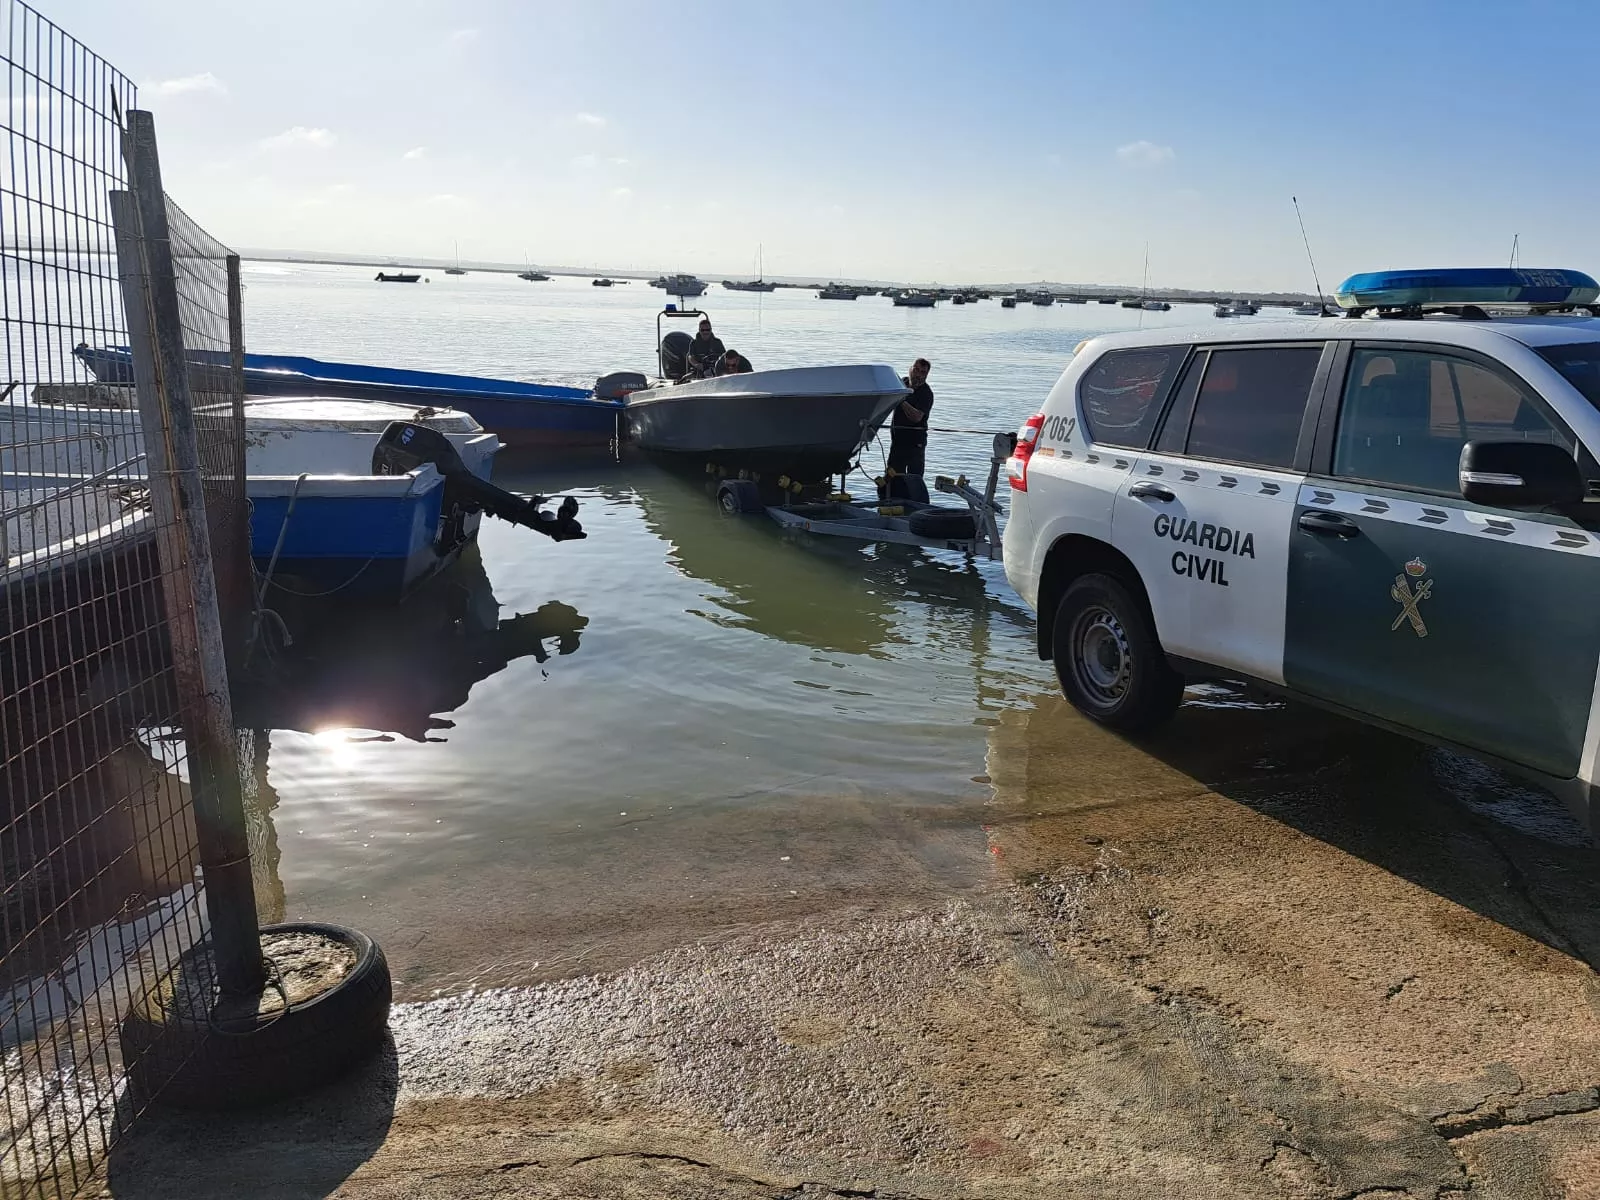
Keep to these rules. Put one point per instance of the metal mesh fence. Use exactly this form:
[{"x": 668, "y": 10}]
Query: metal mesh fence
[{"x": 99, "y": 891}]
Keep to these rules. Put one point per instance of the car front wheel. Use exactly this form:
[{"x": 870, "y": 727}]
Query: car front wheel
[{"x": 1108, "y": 658}]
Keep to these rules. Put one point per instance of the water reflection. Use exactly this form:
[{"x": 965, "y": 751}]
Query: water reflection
[
  {"x": 826, "y": 593},
  {"x": 395, "y": 670}
]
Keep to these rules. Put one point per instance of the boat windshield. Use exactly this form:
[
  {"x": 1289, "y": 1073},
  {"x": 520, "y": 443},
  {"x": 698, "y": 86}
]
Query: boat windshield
[{"x": 1579, "y": 364}]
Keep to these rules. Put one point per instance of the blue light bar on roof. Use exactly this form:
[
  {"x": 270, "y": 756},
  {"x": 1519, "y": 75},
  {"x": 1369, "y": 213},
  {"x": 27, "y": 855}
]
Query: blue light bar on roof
[{"x": 1466, "y": 285}]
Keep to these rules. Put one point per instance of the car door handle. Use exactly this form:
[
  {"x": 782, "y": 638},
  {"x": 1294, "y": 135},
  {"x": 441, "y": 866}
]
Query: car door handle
[
  {"x": 1145, "y": 490},
  {"x": 1329, "y": 523}
]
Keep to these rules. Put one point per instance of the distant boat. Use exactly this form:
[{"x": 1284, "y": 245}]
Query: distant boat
[
  {"x": 456, "y": 270},
  {"x": 1044, "y": 299},
  {"x": 533, "y": 276},
  {"x": 600, "y": 282},
  {"x": 1108, "y": 299},
  {"x": 1133, "y": 302},
  {"x": 682, "y": 285},
  {"x": 397, "y": 278},
  {"x": 1075, "y": 300},
  {"x": 837, "y": 291},
  {"x": 1155, "y": 306},
  {"x": 958, "y": 298},
  {"x": 915, "y": 299},
  {"x": 753, "y": 285},
  {"x": 1008, "y": 302},
  {"x": 1309, "y": 310}
]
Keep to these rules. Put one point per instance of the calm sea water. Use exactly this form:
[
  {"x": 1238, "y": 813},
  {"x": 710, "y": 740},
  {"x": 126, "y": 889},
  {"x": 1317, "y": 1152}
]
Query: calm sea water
[{"x": 678, "y": 673}]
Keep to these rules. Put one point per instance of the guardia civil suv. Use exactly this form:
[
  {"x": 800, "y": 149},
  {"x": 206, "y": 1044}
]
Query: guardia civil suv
[{"x": 1394, "y": 516}]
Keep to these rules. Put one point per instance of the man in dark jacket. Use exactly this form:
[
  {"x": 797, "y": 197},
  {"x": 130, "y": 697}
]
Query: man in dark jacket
[
  {"x": 704, "y": 350},
  {"x": 734, "y": 363},
  {"x": 908, "y": 431}
]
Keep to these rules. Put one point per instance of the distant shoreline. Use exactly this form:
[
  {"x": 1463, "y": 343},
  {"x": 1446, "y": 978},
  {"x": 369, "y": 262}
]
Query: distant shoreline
[{"x": 802, "y": 283}]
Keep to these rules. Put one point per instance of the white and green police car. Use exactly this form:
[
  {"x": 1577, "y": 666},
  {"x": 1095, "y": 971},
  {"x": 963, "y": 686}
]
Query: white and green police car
[{"x": 1398, "y": 519}]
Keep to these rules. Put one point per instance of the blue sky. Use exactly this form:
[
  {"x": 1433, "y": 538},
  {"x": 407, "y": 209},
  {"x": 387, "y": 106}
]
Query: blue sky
[{"x": 918, "y": 141}]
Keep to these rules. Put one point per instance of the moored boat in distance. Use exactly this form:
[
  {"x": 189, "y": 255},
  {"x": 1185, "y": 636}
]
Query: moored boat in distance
[
  {"x": 681, "y": 285},
  {"x": 397, "y": 277},
  {"x": 533, "y": 276},
  {"x": 1043, "y": 299},
  {"x": 915, "y": 299},
  {"x": 600, "y": 282},
  {"x": 837, "y": 291},
  {"x": 1008, "y": 302}
]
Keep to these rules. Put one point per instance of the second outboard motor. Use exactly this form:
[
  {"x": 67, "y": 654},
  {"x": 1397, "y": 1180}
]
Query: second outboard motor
[
  {"x": 675, "y": 354},
  {"x": 619, "y": 385},
  {"x": 405, "y": 446}
]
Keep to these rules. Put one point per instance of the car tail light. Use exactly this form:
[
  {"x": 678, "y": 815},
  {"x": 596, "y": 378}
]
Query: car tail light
[{"x": 1017, "y": 464}]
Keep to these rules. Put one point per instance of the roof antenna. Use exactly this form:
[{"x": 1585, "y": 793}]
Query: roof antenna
[
  {"x": 1322, "y": 303},
  {"x": 1515, "y": 238}
]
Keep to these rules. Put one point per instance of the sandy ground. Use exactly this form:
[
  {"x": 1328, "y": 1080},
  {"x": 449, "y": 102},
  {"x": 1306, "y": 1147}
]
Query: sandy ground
[{"x": 1270, "y": 955}]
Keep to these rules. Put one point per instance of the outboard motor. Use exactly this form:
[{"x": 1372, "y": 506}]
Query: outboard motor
[
  {"x": 619, "y": 385},
  {"x": 675, "y": 349},
  {"x": 405, "y": 446}
]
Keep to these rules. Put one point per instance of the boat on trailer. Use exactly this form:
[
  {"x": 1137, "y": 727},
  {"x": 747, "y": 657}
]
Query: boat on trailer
[
  {"x": 806, "y": 422},
  {"x": 521, "y": 414}
]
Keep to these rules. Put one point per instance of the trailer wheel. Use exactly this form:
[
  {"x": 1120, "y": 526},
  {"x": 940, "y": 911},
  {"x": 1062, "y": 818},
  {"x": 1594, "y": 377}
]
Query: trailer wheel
[
  {"x": 738, "y": 496},
  {"x": 179, "y": 1052},
  {"x": 952, "y": 523}
]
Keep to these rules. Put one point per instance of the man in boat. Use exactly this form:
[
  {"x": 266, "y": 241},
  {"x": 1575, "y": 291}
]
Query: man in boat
[
  {"x": 908, "y": 431},
  {"x": 705, "y": 351},
  {"x": 734, "y": 363}
]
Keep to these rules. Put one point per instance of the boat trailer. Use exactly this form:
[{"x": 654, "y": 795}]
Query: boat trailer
[{"x": 973, "y": 530}]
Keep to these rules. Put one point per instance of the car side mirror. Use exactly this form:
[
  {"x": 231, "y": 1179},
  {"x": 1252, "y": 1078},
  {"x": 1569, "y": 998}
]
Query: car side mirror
[{"x": 1520, "y": 475}]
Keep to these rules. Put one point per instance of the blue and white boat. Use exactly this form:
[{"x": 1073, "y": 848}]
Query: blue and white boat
[
  {"x": 521, "y": 414},
  {"x": 323, "y": 519}
]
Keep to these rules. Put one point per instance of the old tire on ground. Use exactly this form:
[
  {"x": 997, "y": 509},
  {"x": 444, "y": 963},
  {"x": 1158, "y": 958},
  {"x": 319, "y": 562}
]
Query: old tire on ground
[
  {"x": 953, "y": 523},
  {"x": 187, "y": 1059},
  {"x": 1108, "y": 658},
  {"x": 738, "y": 496}
]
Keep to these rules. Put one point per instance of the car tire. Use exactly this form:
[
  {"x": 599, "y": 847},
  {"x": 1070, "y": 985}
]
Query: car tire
[
  {"x": 185, "y": 1060},
  {"x": 1108, "y": 658}
]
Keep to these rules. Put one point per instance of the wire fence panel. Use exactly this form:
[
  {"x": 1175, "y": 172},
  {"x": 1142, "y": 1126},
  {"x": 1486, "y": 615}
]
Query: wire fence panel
[{"x": 99, "y": 890}]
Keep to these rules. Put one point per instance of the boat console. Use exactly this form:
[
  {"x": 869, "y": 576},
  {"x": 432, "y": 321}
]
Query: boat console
[{"x": 405, "y": 446}]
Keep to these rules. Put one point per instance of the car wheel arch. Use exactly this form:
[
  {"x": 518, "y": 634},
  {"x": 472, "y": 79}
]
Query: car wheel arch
[{"x": 1070, "y": 557}]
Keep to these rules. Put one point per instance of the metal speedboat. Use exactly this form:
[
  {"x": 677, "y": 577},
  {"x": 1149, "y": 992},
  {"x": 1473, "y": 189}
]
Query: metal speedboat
[{"x": 806, "y": 422}]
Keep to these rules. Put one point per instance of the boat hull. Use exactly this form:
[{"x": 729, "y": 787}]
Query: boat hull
[
  {"x": 808, "y": 422},
  {"x": 523, "y": 414}
]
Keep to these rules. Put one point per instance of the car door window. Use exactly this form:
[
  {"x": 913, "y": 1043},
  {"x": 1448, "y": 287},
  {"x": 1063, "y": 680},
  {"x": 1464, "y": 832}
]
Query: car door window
[
  {"x": 1406, "y": 414},
  {"x": 1121, "y": 395},
  {"x": 1251, "y": 404}
]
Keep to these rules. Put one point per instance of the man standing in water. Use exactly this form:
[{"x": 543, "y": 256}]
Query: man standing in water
[
  {"x": 908, "y": 431},
  {"x": 704, "y": 351}
]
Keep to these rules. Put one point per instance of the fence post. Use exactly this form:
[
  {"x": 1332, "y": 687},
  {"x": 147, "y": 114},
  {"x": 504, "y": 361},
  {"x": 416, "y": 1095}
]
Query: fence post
[{"x": 161, "y": 378}]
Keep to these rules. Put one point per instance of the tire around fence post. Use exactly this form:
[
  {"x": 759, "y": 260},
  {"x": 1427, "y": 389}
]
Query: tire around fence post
[{"x": 190, "y": 1059}]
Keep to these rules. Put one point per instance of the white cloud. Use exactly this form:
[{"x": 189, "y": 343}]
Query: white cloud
[
  {"x": 415, "y": 153},
  {"x": 1145, "y": 154},
  {"x": 461, "y": 37},
  {"x": 205, "y": 81},
  {"x": 289, "y": 139},
  {"x": 593, "y": 120}
]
